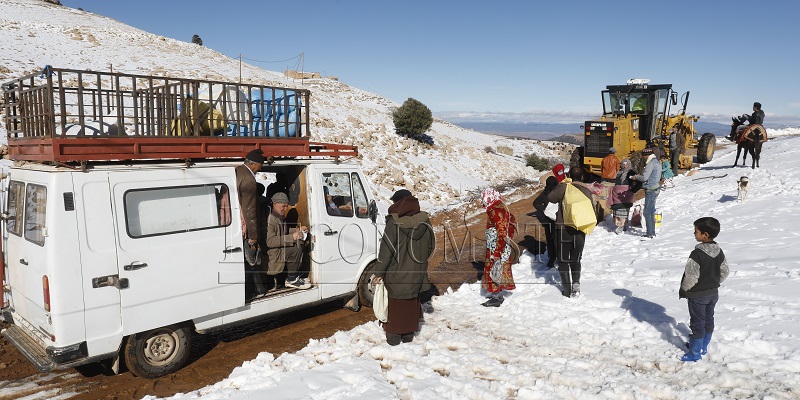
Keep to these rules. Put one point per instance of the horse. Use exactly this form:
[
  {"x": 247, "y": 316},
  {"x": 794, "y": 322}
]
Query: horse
[{"x": 749, "y": 138}]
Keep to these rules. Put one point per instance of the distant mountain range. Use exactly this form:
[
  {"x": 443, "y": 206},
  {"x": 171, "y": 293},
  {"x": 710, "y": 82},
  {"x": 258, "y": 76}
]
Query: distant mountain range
[{"x": 549, "y": 131}]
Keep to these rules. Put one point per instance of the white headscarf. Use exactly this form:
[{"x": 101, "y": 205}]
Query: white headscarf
[{"x": 490, "y": 197}]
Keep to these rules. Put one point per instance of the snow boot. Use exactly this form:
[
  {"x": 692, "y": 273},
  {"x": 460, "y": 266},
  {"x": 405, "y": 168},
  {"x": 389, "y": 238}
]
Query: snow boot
[
  {"x": 694, "y": 350},
  {"x": 706, "y": 341},
  {"x": 576, "y": 289},
  {"x": 393, "y": 339},
  {"x": 495, "y": 301}
]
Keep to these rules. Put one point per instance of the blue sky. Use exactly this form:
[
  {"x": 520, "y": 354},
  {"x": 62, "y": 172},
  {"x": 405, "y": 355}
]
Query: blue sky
[{"x": 505, "y": 56}]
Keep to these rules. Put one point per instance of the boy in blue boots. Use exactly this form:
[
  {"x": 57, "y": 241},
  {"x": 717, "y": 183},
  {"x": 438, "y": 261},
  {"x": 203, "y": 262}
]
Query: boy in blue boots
[{"x": 705, "y": 270}]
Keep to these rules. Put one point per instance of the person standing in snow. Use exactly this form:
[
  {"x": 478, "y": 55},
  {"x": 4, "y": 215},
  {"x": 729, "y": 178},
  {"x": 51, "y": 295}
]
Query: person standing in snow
[
  {"x": 548, "y": 225},
  {"x": 621, "y": 198},
  {"x": 666, "y": 172},
  {"x": 609, "y": 168},
  {"x": 408, "y": 241},
  {"x": 651, "y": 178},
  {"x": 500, "y": 228},
  {"x": 705, "y": 270},
  {"x": 676, "y": 143},
  {"x": 569, "y": 241}
]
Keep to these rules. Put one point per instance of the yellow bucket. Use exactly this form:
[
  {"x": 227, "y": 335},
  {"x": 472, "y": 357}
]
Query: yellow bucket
[{"x": 658, "y": 219}]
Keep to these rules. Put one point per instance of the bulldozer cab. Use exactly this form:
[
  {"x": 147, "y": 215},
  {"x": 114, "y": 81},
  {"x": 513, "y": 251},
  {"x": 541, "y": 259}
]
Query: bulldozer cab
[
  {"x": 633, "y": 117},
  {"x": 644, "y": 105}
]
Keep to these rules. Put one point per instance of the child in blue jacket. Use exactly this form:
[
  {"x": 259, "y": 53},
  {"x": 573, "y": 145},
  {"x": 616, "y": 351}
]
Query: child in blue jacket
[{"x": 666, "y": 168}]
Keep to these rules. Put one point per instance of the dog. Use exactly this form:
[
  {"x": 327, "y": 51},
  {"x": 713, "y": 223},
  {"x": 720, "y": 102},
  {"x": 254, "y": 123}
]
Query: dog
[{"x": 744, "y": 187}]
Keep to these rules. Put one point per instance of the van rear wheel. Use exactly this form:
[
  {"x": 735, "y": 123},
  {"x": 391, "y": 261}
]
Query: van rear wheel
[{"x": 158, "y": 352}]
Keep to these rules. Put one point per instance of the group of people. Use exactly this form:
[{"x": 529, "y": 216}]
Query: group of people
[
  {"x": 408, "y": 242},
  {"x": 656, "y": 176},
  {"x": 273, "y": 251},
  {"x": 705, "y": 269}
]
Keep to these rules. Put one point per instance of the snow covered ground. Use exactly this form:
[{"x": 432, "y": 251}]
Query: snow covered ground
[{"x": 620, "y": 340}]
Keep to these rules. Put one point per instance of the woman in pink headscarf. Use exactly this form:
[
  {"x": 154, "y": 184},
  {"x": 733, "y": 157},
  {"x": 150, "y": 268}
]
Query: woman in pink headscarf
[{"x": 500, "y": 229}]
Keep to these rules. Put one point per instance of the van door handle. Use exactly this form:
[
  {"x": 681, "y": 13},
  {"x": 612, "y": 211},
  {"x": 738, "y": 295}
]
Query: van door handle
[
  {"x": 233, "y": 250},
  {"x": 23, "y": 261},
  {"x": 134, "y": 266},
  {"x": 330, "y": 232},
  {"x": 110, "y": 280}
]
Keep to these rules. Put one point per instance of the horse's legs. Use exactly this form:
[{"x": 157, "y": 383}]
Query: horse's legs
[
  {"x": 757, "y": 154},
  {"x": 738, "y": 151}
]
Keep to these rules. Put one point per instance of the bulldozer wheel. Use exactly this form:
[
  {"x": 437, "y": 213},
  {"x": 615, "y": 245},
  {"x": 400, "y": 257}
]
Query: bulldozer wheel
[
  {"x": 576, "y": 160},
  {"x": 706, "y": 147}
]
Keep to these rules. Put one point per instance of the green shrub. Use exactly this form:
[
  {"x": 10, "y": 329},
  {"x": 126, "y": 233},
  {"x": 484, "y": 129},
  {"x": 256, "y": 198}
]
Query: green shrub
[
  {"x": 412, "y": 118},
  {"x": 538, "y": 162}
]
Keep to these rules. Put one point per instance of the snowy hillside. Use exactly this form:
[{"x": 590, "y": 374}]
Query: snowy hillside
[{"x": 35, "y": 33}]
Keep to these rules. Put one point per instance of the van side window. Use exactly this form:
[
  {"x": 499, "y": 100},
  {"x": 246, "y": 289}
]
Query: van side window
[
  {"x": 161, "y": 211},
  {"x": 35, "y": 202},
  {"x": 338, "y": 196},
  {"x": 360, "y": 204},
  {"x": 15, "y": 191}
]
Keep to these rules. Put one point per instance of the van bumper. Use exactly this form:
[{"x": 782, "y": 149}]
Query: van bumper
[{"x": 49, "y": 358}]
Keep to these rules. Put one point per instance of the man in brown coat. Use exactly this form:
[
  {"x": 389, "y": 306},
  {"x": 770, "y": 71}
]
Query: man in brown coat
[
  {"x": 248, "y": 192},
  {"x": 284, "y": 248},
  {"x": 248, "y": 196}
]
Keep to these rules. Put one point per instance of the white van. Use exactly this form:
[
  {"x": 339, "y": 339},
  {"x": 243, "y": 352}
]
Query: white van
[{"x": 109, "y": 258}]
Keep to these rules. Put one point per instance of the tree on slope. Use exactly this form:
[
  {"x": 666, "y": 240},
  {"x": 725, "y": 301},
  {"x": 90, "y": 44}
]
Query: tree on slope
[{"x": 412, "y": 118}]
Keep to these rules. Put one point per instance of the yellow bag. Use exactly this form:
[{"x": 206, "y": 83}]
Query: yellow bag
[
  {"x": 209, "y": 119},
  {"x": 578, "y": 210}
]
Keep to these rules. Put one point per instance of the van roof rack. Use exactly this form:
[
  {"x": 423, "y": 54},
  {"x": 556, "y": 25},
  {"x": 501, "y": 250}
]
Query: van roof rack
[
  {"x": 66, "y": 150},
  {"x": 63, "y": 115}
]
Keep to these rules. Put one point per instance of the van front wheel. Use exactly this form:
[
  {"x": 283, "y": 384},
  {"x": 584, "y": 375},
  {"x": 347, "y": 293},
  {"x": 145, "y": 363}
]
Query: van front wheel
[
  {"x": 366, "y": 289},
  {"x": 158, "y": 352}
]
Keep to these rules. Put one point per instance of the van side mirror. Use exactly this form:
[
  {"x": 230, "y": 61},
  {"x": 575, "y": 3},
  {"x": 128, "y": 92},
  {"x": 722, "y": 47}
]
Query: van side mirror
[{"x": 373, "y": 211}]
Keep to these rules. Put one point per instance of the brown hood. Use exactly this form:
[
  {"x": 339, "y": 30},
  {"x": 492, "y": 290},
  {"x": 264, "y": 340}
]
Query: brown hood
[{"x": 406, "y": 206}]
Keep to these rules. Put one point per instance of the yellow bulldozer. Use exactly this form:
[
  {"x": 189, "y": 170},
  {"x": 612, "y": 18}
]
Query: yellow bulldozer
[{"x": 637, "y": 116}]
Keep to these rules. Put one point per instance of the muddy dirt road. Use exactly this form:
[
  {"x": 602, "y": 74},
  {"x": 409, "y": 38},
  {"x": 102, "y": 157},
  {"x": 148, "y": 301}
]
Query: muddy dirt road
[{"x": 457, "y": 260}]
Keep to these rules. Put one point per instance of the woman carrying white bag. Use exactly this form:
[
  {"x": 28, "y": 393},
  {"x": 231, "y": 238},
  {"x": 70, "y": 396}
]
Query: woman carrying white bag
[{"x": 407, "y": 243}]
